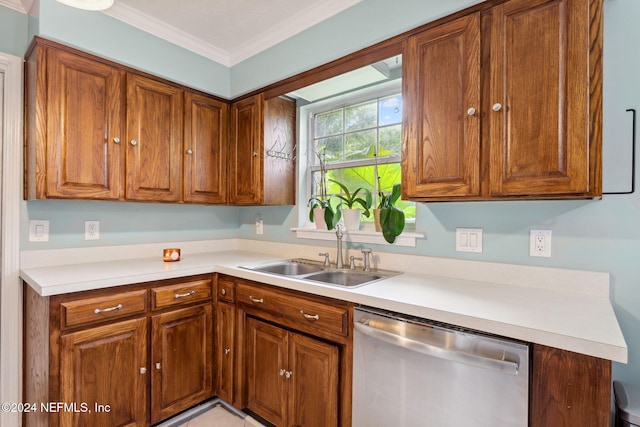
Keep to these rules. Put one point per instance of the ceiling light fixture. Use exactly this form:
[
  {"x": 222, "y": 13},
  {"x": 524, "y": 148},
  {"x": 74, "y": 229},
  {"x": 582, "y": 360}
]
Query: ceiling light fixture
[{"x": 88, "y": 4}]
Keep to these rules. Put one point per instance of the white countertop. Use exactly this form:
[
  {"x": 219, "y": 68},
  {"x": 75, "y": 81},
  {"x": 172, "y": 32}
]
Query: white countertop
[{"x": 582, "y": 322}]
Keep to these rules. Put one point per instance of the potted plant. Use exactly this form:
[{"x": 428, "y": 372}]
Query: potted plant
[
  {"x": 391, "y": 218},
  {"x": 351, "y": 213},
  {"x": 321, "y": 213}
]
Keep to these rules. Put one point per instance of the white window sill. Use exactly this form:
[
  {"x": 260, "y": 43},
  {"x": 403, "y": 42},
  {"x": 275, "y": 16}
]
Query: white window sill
[{"x": 357, "y": 236}]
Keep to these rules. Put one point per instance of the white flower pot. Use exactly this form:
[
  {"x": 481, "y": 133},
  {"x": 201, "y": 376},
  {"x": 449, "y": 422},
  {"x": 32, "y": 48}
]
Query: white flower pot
[
  {"x": 351, "y": 219},
  {"x": 318, "y": 219}
]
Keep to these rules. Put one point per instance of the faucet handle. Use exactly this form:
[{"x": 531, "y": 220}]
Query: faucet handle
[
  {"x": 352, "y": 264},
  {"x": 326, "y": 258},
  {"x": 367, "y": 260}
]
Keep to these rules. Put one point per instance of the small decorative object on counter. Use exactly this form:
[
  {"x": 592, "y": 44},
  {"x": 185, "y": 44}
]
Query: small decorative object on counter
[{"x": 171, "y": 254}]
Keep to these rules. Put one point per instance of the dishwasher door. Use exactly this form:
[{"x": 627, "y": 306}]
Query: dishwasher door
[{"x": 410, "y": 372}]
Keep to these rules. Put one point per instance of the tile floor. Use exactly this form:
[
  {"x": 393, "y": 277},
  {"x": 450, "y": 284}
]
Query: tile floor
[{"x": 218, "y": 416}]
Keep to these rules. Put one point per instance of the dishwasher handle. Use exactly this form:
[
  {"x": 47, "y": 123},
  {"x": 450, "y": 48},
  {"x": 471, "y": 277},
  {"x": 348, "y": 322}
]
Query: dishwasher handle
[{"x": 500, "y": 365}]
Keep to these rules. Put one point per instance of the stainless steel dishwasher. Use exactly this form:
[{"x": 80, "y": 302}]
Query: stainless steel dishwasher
[{"x": 413, "y": 372}]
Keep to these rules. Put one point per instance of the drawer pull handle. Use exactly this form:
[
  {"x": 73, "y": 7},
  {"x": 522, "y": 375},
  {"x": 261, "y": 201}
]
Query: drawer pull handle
[
  {"x": 257, "y": 300},
  {"x": 106, "y": 310},
  {"x": 309, "y": 316},
  {"x": 188, "y": 294}
]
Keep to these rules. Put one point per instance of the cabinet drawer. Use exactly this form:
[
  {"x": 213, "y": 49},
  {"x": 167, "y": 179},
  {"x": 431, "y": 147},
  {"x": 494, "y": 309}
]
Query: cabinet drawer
[
  {"x": 98, "y": 309},
  {"x": 294, "y": 307},
  {"x": 181, "y": 293},
  {"x": 226, "y": 290}
]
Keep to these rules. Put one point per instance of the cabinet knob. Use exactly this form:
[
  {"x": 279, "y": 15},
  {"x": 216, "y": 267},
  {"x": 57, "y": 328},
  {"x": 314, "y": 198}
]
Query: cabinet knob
[
  {"x": 471, "y": 111},
  {"x": 189, "y": 151},
  {"x": 281, "y": 372},
  {"x": 227, "y": 350},
  {"x": 497, "y": 106},
  {"x": 143, "y": 370},
  {"x": 223, "y": 291},
  {"x": 158, "y": 366},
  {"x": 116, "y": 140},
  {"x": 255, "y": 154},
  {"x": 288, "y": 374},
  {"x": 134, "y": 142}
]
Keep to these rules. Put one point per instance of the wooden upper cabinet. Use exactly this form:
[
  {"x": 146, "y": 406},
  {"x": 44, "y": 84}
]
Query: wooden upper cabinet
[
  {"x": 205, "y": 149},
  {"x": 539, "y": 106},
  {"x": 505, "y": 103},
  {"x": 441, "y": 94},
  {"x": 85, "y": 115},
  {"x": 154, "y": 140},
  {"x": 262, "y": 157}
]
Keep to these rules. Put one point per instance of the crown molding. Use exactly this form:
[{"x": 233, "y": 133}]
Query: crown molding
[
  {"x": 21, "y": 6},
  {"x": 294, "y": 24},
  {"x": 160, "y": 29}
]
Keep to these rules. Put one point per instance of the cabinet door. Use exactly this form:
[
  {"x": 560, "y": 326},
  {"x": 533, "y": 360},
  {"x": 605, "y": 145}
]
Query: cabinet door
[
  {"x": 105, "y": 365},
  {"x": 539, "y": 98},
  {"x": 246, "y": 151},
  {"x": 225, "y": 350},
  {"x": 205, "y": 149},
  {"x": 181, "y": 360},
  {"x": 313, "y": 382},
  {"x": 441, "y": 95},
  {"x": 85, "y": 110},
  {"x": 267, "y": 364},
  {"x": 154, "y": 140}
]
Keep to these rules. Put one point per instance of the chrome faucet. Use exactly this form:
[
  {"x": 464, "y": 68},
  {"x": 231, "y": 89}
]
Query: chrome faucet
[{"x": 339, "y": 235}]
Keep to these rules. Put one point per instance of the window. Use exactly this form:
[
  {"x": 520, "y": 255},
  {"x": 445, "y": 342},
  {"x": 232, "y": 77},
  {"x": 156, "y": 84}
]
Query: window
[{"x": 359, "y": 139}]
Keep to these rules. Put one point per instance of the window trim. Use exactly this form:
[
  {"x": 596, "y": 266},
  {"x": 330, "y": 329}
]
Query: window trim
[{"x": 307, "y": 230}]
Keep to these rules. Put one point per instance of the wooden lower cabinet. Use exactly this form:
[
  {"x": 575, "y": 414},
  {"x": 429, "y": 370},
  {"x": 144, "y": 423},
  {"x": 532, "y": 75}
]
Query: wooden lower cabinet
[
  {"x": 101, "y": 368},
  {"x": 225, "y": 350},
  {"x": 569, "y": 389},
  {"x": 181, "y": 359},
  {"x": 128, "y": 356},
  {"x": 292, "y": 379}
]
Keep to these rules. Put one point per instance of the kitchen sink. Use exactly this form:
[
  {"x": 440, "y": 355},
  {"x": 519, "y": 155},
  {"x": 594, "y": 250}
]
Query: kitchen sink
[
  {"x": 289, "y": 268},
  {"x": 303, "y": 269},
  {"x": 349, "y": 278}
]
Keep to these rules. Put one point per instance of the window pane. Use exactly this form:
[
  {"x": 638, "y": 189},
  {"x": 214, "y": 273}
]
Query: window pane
[
  {"x": 331, "y": 148},
  {"x": 390, "y": 110},
  {"x": 391, "y": 140},
  {"x": 361, "y": 116},
  {"x": 329, "y": 123},
  {"x": 360, "y": 145}
]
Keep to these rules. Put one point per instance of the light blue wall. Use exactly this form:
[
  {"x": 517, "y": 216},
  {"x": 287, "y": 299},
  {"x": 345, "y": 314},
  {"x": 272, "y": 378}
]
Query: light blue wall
[
  {"x": 108, "y": 37},
  {"x": 13, "y": 31},
  {"x": 592, "y": 235},
  {"x": 362, "y": 25}
]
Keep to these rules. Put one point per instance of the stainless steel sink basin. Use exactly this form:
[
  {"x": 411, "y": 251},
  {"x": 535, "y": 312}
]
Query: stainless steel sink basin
[
  {"x": 347, "y": 278},
  {"x": 303, "y": 269},
  {"x": 288, "y": 268}
]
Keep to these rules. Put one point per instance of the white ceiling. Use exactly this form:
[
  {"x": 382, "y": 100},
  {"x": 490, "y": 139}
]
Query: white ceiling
[{"x": 226, "y": 31}]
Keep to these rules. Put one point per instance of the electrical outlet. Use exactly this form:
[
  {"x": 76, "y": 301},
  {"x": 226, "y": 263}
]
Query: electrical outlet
[
  {"x": 259, "y": 226},
  {"x": 540, "y": 243},
  {"x": 91, "y": 230}
]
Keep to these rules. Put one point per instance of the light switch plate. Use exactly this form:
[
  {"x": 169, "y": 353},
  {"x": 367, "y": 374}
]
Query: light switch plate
[
  {"x": 469, "y": 240},
  {"x": 38, "y": 230}
]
